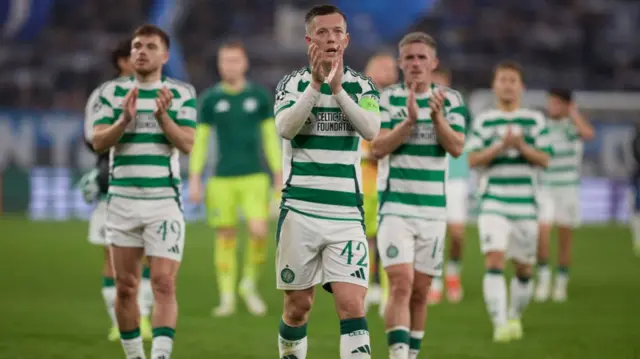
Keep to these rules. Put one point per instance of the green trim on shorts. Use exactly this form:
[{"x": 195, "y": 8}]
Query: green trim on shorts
[
  {"x": 138, "y": 198},
  {"x": 281, "y": 217}
]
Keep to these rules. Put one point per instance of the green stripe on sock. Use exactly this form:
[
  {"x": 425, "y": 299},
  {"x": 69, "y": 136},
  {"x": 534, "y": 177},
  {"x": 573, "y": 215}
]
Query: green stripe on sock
[
  {"x": 108, "y": 282},
  {"x": 354, "y": 324},
  {"x": 563, "y": 270},
  {"x": 146, "y": 272},
  {"x": 415, "y": 343},
  {"x": 164, "y": 332},
  {"x": 542, "y": 263},
  {"x": 523, "y": 279},
  {"x": 494, "y": 271},
  {"x": 130, "y": 334},
  {"x": 397, "y": 336},
  {"x": 292, "y": 333}
]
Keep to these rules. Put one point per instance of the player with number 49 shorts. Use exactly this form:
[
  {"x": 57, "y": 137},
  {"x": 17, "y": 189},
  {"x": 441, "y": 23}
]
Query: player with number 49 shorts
[
  {"x": 421, "y": 124},
  {"x": 145, "y": 122}
]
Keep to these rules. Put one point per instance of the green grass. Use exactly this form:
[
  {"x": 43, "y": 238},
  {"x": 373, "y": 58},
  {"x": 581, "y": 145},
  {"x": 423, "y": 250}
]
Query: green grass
[{"x": 51, "y": 306}]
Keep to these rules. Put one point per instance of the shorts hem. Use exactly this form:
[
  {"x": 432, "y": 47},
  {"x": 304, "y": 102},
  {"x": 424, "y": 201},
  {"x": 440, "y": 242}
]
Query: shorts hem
[
  {"x": 297, "y": 286},
  {"x": 173, "y": 258},
  {"x": 347, "y": 280},
  {"x": 429, "y": 272},
  {"x": 395, "y": 263}
]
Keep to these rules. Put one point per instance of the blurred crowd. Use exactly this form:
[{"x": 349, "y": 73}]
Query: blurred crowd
[{"x": 583, "y": 44}]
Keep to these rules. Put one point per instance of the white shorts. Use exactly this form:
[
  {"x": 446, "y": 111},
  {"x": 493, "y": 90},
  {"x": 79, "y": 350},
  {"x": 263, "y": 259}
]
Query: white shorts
[
  {"x": 412, "y": 240},
  {"x": 96, "y": 224},
  {"x": 155, "y": 225},
  {"x": 559, "y": 206},
  {"x": 457, "y": 192},
  {"x": 313, "y": 250},
  {"x": 517, "y": 239}
]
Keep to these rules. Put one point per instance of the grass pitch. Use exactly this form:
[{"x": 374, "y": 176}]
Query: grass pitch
[{"x": 51, "y": 306}]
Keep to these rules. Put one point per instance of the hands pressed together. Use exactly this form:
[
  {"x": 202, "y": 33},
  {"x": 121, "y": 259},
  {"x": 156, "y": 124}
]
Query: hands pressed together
[{"x": 318, "y": 72}]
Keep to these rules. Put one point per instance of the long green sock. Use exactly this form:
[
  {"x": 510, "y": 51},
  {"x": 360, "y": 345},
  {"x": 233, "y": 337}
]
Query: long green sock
[{"x": 162, "y": 344}]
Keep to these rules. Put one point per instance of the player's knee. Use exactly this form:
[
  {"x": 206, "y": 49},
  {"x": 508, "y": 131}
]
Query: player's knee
[
  {"x": 400, "y": 286},
  {"x": 457, "y": 233},
  {"x": 297, "y": 306},
  {"x": 494, "y": 260},
  {"x": 258, "y": 228},
  {"x": 126, "y": 286},
  {"x": 163, "y": 286},
  {"x": 350, "y": 307},
  {"x": 524, "y": 271}
]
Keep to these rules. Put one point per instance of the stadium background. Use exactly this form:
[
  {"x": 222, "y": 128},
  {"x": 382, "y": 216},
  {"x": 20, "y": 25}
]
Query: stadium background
[{"x": 53, "y": 53}]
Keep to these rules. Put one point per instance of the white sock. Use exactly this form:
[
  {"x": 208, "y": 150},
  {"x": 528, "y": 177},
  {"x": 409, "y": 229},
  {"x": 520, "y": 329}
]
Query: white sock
[
  {"x": 145, "y": 297},
  {"x": 109, "y": 296},
  {"x": 161, "y": 347},
  {"x": 354, "y": 339},
  {"x": 520, "y": 295},
  {"x": 494, "y": 289},
  {"x": 132, "y": 344},
  {"x": 452, "y": 268},
  {"x": 562, "y": 279},
  {"x": 292, "y": 341},
  {"x": 398, "y": 340},
  {"x": 415, "y": 341},
  {"x": 544, "y": 275},
  {"x": 436, "y": 284}
]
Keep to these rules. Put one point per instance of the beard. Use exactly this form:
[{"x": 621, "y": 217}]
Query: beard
[{"x": 145, "y": 70}]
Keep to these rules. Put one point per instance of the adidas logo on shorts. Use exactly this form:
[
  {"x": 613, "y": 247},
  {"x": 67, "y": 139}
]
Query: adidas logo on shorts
[
  {"x": 175, "y": 249},
  {"x": 359, "y": 274}
]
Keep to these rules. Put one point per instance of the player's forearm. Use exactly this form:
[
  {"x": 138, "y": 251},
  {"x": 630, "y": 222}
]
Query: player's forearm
[
  {"x": 107, "y": 136},
  {"x": 449, "y": 139},
  {"x": 198, "y": 156},
  {"x": 534, "y": 156},
  {"x": 180, "y": 137},
  {"x": 366, "y": 122},
  {"x": 484, "y": 157},
  {"x": 290, "y": 121},
  {"x": 584, "y": 128},
  {"x": 388, "y": 141}
]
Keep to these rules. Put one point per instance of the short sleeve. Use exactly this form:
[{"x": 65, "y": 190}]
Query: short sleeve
[
  {"x": 104, "y": 114},
  {"x": 286, "y": 93},
  {"x": 204, "y": 108},
  {"x": 385, "y": 115},
  {"x": 456, "y": 111},
  {"x": 187, "y": 114},
  {"x": 476, "y": 141},
  {"x": 91, "y": 113},
  {"x": 542, "y": 138}
]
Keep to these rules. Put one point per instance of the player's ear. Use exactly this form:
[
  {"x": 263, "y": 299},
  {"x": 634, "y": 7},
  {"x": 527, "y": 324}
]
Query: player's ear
[
  {"x": 165, "y": 57},
  {"x": 435, "y": 63},
  {"x": 307, "y": 38},
  {"x": 347, "y": 38}
]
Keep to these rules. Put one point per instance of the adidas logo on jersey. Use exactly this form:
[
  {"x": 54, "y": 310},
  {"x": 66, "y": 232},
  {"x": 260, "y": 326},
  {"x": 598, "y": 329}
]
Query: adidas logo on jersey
[{"x": 359, "y": 274}]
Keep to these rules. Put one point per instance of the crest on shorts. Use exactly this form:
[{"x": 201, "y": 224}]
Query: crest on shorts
[
  {"x": 392, "y": 251},
  {"x": 287, "y": 275}
]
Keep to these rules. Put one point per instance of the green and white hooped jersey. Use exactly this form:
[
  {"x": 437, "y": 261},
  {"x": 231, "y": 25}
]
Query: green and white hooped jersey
[
  {"x": 321, "y": 164},
  {"x": 411, "y": 180},
  {"x": 507, "y": 186},
  {"x": 144, "y": 164},
  {"x": 564, "y": 166}
]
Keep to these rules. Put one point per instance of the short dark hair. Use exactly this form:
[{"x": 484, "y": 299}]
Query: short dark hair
[
  {"x": 509, "y": 65},
  {"x": 233, "y": 44},
  {"x": 563, "y": 94},
  {"x": 151, "y": 30},
  {"x": 121, "y": 51},
  {"x": 321, "y": 10}
]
